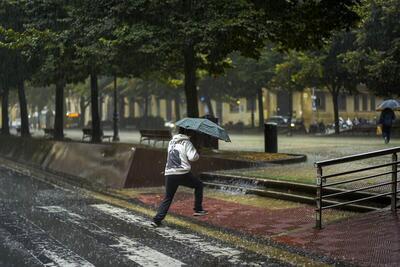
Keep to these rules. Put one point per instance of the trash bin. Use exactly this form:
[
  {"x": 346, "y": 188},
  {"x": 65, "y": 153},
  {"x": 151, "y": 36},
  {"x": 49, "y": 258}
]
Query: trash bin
[{"x": 271, "y": 137}]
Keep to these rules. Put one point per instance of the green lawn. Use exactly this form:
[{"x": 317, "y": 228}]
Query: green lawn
[{"x": 300, "y": 174}]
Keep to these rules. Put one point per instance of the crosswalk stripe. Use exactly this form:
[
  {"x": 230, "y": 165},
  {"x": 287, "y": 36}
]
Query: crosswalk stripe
[
  {"x": 128, "y": 247},
  {"x": 189, "y": 240},
  {"x": 44, "y": 248}
]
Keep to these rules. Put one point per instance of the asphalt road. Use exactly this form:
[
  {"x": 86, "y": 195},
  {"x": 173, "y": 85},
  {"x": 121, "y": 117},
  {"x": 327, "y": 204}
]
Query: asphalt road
[{"x": 45, "y": 225}]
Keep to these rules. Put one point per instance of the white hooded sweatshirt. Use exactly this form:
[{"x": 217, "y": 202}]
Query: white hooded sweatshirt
[{"x": 180, "y": 152}]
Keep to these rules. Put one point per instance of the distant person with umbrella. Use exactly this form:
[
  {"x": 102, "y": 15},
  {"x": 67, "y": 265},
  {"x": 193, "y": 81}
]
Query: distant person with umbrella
[
  {"x": 181, "y": 152},
  {"x": 387, "y": 117}
]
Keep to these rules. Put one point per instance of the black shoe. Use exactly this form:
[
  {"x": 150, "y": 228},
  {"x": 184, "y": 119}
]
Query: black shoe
[
  {"x": 155, "y": 224},
  {"x": 200, "y": 213}
]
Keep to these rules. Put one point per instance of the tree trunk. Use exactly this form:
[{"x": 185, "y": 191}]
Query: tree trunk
[
  {"x": 335, "y": 97},
  {"x": 260, "y": 108},
  {"x": 115, "y": 116},
  {"x": 96, "y": 136},
  {"x": 59, "y": 119},
  {"x": 23, "y": 109},
  {"x": 177, "y": 107},
  {"x": 5, "y": 124},
  {"x": 121, "y": 112},
  {"x": 290, "y": 113},
  {"x": 192, "y": 106},
  {"x": 82, "y": 105},
  {"x": 101, "y": 101},
  {"x": 252, "y": 106}
]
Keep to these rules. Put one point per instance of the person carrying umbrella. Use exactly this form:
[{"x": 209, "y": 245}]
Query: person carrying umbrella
[
  {"x": 178, "y": 172},
  {"x": 387, "y": 117},
  {"x": 178, "y": 169}
]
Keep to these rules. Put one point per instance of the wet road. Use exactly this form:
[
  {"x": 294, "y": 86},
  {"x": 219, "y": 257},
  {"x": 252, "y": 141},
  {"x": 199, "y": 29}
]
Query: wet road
[{"x": 45, "y": 225}]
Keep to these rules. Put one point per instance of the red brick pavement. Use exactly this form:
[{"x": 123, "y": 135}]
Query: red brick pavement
[
  {"x": 372, "y": 239},
  {"x": 367, "y": 240},
  {"x": 264, "y": 221}
]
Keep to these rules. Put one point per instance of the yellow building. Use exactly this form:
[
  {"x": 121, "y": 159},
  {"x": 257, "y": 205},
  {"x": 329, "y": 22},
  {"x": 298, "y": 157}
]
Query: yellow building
[{"x": 309, "y": 105}]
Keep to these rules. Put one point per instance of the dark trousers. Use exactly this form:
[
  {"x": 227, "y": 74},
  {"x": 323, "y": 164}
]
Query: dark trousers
[
  {"x": 172, "y": 182},
  {"x": 386, "y": 129}
]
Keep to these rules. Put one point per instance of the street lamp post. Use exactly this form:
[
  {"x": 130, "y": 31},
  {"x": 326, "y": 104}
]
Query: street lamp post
[{"x": 115, "y": 117}]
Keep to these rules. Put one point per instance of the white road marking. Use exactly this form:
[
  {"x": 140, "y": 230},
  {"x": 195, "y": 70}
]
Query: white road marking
[
  {"x": 128, "y": 247},
  {"x": 47, "y": 250},
  {"x": 189, "y": 240},
  {"x": 143, "y": 255}
]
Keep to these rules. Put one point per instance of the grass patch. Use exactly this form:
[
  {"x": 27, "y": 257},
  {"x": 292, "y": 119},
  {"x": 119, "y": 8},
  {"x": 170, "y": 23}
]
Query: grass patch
[{"x": 292, "y": 173}]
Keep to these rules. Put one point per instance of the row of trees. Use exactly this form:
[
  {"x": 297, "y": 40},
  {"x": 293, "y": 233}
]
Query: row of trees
[{"x": 53, "y": 42}]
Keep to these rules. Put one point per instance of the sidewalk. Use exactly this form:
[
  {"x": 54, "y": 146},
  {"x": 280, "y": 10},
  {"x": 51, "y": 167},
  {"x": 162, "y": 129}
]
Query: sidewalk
[{"x": 371, "y": 239}]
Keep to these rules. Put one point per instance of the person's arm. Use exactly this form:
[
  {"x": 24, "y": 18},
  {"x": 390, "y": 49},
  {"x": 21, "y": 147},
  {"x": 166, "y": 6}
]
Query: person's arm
[{"x": 191, "y": 152}]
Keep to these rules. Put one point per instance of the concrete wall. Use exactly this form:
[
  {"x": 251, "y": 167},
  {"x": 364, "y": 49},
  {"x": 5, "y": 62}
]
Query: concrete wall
[
  {"x": 97, "y": 164},
  {"x": 104, "y": 165}
]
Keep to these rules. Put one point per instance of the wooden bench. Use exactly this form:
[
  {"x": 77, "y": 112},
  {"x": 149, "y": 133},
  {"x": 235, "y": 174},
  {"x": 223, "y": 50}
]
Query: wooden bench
[
  {"x": 155, "y": 135},
  {"x": 87, "y": 134}
]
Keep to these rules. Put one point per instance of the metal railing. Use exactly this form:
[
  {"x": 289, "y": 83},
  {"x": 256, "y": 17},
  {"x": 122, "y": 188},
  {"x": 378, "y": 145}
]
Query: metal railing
[{"x": 322, "y": 180}]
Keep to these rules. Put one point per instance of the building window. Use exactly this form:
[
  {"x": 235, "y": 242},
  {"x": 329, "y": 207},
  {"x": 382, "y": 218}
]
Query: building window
[
  {"x": 250, "y": 104},
  {"x": 320, "y": 101},
  {"x": 356, "y": 103},
  {"x": 365, "y": 102},
  {"x": 372, "y": 99},
  {"x": 234, "y": 107},
  {"x": 342, "y": 102}
]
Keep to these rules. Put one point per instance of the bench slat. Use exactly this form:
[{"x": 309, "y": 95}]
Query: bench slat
[{"x": 156, "y": 135}]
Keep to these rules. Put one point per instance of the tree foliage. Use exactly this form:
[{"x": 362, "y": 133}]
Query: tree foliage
[{"x": 376, "y": 60}]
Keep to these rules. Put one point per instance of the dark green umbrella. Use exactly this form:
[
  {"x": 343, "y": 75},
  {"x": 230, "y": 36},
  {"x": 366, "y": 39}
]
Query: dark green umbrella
[{"x": 204, "y": 126}]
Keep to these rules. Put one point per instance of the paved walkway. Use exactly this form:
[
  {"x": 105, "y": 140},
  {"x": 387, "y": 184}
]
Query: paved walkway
[{"x": 371, "y": 239}]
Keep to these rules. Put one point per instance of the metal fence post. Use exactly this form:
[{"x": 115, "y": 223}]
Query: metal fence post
[
  {"x": 394, "y": 182},
  {"x": 318, "y": 222}
]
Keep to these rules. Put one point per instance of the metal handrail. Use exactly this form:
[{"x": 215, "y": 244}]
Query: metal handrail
[
  {"x": 357, "y": 179},
  {"x": 357, "y": 200},
  {"x": 359, "y": 170},
  {"x": 351, "y": 158},
  {"x": 321, "y": 179},
  {"x": 355, "y": 190}
]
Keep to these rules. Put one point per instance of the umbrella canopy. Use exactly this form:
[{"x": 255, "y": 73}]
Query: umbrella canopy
[
  {"x": 390, "y": 103},
  {"x": 204, "y": 126}
]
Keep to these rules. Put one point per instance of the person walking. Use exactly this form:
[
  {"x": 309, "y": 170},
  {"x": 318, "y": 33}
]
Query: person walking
[
  {"x": 178, "y": 172},
  {"x": 386, "y": 120}
]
